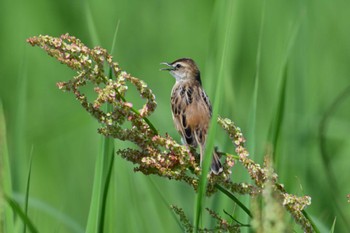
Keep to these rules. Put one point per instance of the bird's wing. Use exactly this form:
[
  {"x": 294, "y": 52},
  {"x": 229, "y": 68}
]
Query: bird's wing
[
  {"x": 191, "y": 112},
  {"x": 180, "y": 99}
]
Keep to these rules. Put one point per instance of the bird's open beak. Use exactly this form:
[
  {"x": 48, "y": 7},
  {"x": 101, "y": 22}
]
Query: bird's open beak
[{"x": 169, "y": 68}]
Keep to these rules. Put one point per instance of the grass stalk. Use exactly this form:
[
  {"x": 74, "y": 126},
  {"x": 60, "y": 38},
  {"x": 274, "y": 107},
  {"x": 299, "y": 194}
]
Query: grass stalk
[
  {"x": 26, "y": 201},
  {"x": 91, "y": 25},
  {"x": 251, "y": 134},
  {"x": 311, "y": 221},
  {"x": 333, "y": 225},
  {"x": 6, "y": 214},
  {"x": 276, "y": 123},
  {"x": 235, "y": 199},
  {"x": 95, "y": 205},
  {"x": 213, "y": 125},
  {"x": 105, "y": 158},
  {"x": 106, "y": 185},
  {"x": 326, "y": 157}
]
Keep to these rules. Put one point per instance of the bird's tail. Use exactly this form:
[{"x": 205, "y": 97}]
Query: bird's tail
[{"x": 216, "y": 166}]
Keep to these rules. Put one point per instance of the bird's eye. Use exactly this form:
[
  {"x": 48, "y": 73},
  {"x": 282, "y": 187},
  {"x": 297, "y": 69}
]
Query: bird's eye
[{"x": 178, "y": 66}]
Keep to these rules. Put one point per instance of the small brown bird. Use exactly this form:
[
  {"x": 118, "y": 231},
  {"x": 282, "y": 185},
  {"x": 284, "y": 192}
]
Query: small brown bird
[{"x": 191, "y": 108}]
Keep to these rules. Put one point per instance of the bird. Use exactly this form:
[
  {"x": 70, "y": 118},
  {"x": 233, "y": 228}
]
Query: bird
[{"x": 191, "y": 107}]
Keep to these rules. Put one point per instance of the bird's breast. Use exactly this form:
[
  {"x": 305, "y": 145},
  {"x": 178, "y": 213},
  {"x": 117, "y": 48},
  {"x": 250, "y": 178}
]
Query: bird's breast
[{"x": 188, "y": 103}]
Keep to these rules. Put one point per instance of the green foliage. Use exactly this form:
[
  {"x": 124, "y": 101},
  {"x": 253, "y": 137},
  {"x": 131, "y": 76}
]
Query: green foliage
[
  {"x": 200, "y": 198},
  {"x": 16, "y": 208},
  {"x": 65, "y": 139},
  {"x": 6, "y": 216}
]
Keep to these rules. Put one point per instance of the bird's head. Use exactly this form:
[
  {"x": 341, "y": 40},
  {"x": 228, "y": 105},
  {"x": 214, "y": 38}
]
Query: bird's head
[{"x": 184, "y": 69}]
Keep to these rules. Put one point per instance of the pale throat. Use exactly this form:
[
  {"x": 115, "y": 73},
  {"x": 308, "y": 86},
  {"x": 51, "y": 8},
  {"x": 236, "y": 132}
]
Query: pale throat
[{"x": 180, "y": 77}]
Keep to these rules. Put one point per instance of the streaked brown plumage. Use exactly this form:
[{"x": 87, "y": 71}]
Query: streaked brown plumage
[{"x": 191, "y": 108}]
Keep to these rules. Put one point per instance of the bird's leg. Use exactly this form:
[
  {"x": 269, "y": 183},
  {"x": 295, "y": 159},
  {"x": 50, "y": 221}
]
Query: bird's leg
[{"x": 201, "y": 154}]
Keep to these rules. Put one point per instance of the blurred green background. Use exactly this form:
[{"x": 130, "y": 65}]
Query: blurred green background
[{"x": 310, "y": 38}]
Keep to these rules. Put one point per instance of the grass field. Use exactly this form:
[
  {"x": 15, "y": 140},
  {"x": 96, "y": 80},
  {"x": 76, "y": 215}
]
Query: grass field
[{"x": 279, "y": 69}]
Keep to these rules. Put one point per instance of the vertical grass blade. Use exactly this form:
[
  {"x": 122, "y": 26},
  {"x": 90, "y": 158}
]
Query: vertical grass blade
[
  {"x": 99, "y": 193},
  {"x": 276, "y": 123},
  {"x": 91, "y": 25},
  {"x": 333, "y": 225},
  {"x": 252, "y": 112},
  {"x": 115, "y": 38},
  {"x": 106, "y": 187},
  {"x": 105, "y": 159},
  {"x": 19, "y": 151},
  {"x": 95, "y": 204},
  {"x": 254, "y": 104},
  {"x": 27, "y": 189},
  {"x": 6, "y": 214},
  {"x": 107, "y": 223},
  {"x": 326, "y": 157},
  {"x": 213, "y": 124}
]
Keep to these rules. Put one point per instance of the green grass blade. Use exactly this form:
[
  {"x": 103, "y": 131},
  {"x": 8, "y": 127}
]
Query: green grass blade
[
  {"x": 27, "y": 189},
  {"x": 326, "y": 157},
  {"x": 106, "y": 222},
  {"x": 276, "y": 124},
  {"x": 98, "y": 196},
  {"x": 105, "y": 158},
  {"x": 115, "y": 37},
  {"x": 48, "y": 210},
  {"x": 94, "y": 212},
  {"x": 233, "y": 198},
  {"x": 166, "y": 203},
  {"x": 333, "y": 225},
  {"x": 213, "y": 126},
  {"x": 251, "y": 134},
  {"x": 106, "y": 186},
  {"x": 6, "y": 215},
  {"x": 19, "y": 151},
  {"x": 17, "y": 209},
  {"x": 252, "y": 112},
  {"x": 311, "y": 221},
  {"x": 91, "y": 25}
]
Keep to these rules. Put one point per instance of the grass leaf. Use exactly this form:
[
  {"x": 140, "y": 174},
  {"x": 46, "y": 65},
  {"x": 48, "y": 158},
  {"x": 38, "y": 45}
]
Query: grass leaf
[
  {"x": 333, "y": 225},
  {"x": 213, "y": 125},
  {"x": 95, "y": 204},
  {"x": 159, "y": 193},
  {"x": 233, "y": 198},
  {"x": 6, "y": 216},
  {"x": 38, "y": 205},
  {"x": 115, "y": 37},
  {"x": 311, "y": 221},
  {"x": 17, "y": 209},
  {"x": 326, "y": 157},
  {"x": 276, "y": 123},
  {"x": 106, "y": 185},
  {"x": 91, "y": 25},
  {"x": 28, "y": 188},
  {"x": 251, "y": 134}
]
